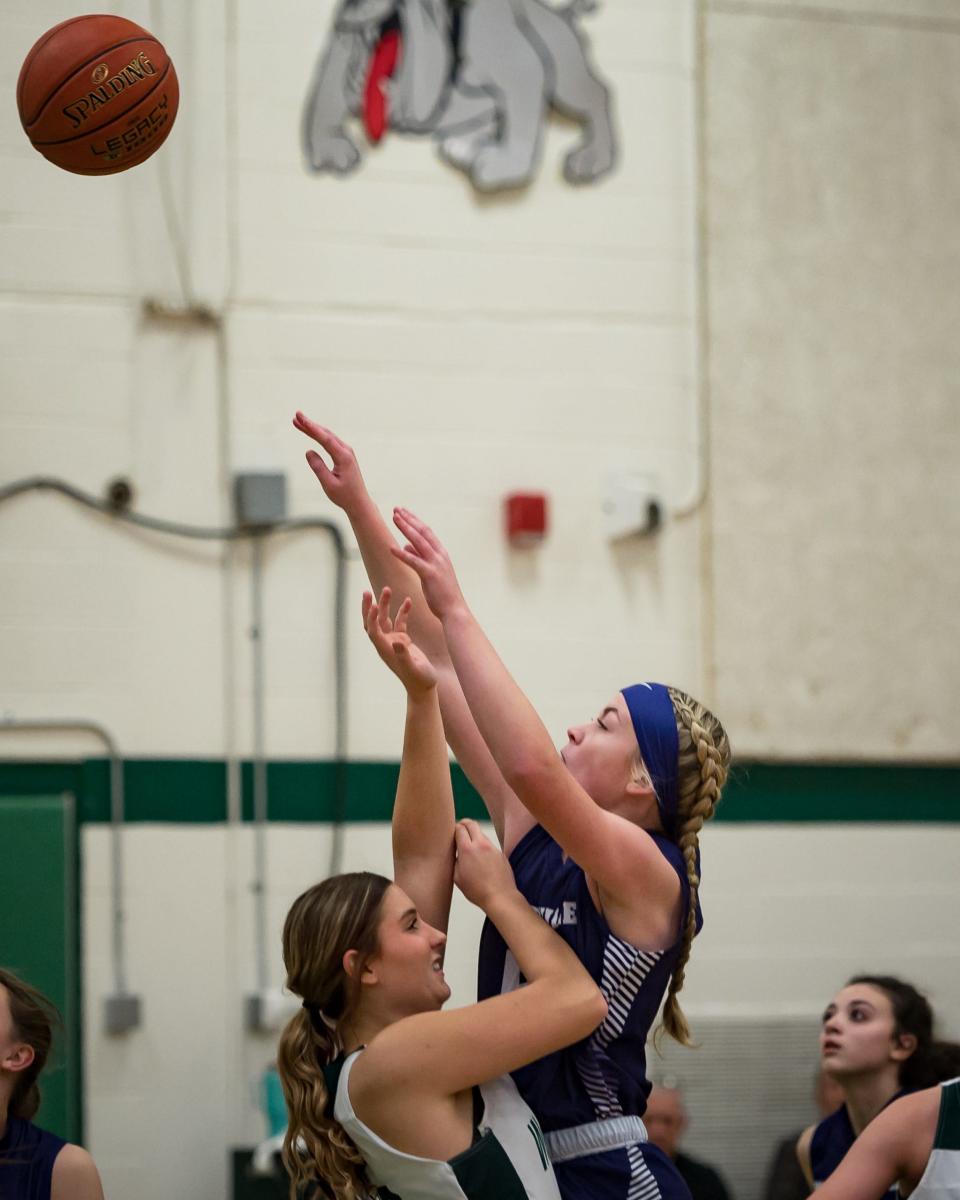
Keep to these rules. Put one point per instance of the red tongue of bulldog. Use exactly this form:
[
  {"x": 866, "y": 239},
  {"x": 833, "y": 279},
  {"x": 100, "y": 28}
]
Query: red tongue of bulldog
[{"x": 383, "y": 63}]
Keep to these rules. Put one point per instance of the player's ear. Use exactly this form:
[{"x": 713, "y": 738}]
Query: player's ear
[
  {"x": 18, "y": 1057},
  {"x": 358, "y": 969},
  {"x": 904, "y": 1044}
]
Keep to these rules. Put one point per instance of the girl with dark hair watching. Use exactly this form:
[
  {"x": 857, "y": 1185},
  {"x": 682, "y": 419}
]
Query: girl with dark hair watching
[
  {"x": 34, "y": 1164},
  {"x": 877, "y": 1042},
  {"x": 383, "y": 1089}
]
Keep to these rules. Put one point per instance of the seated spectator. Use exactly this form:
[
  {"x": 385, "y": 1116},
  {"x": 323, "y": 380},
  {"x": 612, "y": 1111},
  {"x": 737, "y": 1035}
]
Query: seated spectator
[{"x": 666, "y": 1120}]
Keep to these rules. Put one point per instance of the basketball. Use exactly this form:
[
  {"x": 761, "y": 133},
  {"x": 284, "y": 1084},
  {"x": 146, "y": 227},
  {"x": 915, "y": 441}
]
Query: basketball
[{"x": 97, "y": 94}]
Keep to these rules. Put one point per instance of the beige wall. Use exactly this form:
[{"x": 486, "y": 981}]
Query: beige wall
[
  {"x": 470, "y": 347},
  {"x": 467, "y": 346},
  {"x": 832, "y": 270}
]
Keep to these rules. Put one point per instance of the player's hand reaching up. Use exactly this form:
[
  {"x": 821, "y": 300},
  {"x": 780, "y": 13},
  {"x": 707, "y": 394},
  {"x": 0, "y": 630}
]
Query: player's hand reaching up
[
  {"x": 394, "y": 645},
  {"x": 342, "y": 482},
  {"x": 482, "y": 872},
  {"x": 425, "y": 553}
]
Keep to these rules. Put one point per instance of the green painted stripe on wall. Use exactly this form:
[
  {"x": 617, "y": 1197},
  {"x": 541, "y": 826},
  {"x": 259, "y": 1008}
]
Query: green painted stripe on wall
[{"x": 194, "y": 790}]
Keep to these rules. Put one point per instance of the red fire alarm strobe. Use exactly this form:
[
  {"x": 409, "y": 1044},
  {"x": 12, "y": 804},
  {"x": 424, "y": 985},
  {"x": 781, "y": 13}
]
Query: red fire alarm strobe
[{"x": 526, "y": 517}]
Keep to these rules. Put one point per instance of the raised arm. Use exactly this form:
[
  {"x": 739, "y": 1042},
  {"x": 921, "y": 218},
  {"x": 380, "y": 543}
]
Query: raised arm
[
  {"x": 894, "y": 1148},
  {"x": 423, "y": 816},
  {"x": 618, "y": 854},
  {"x": 344, "y": 486},
  {"x": 442, "y": 1053}
]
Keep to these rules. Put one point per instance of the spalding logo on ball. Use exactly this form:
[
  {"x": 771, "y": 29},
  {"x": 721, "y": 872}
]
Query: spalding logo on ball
[{"x": 97, "y": 94}]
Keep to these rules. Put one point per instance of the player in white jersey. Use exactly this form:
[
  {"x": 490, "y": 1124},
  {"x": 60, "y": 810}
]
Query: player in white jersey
[
  {"x": 914, "y": 1142},
  {"x": 384, "y": 1090}
]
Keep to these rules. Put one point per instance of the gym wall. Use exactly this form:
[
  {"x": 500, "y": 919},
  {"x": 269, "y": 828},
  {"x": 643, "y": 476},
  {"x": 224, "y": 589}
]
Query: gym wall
[{"x": 750, "y": 308}]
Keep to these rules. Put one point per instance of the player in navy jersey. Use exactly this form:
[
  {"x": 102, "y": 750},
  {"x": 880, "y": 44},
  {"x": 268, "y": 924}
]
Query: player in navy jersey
[
  {"x": 34, "y": 1164},
  {"x": 877, "y": 1042},
  {"x": 603, "y": 840},
  {"x": 912, "y": 1149}
]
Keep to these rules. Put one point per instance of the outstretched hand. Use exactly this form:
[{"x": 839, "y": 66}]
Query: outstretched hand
[
  {"x": 394, "y": 645},
  {"x": 424, "y": 552},
  {"x": 482, "y": 871},
  {"x": 342, "y": 483}
]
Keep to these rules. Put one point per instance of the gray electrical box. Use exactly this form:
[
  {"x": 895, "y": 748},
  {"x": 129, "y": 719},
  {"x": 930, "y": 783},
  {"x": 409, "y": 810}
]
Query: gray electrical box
[
  {"x": 121, "y": 1012},
  {"x": 260, "y": 498}
]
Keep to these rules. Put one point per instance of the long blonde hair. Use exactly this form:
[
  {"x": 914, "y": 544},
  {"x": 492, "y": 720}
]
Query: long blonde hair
[
  {"x": 704, "y": 761},
  {"x": 337, "y": 915}
]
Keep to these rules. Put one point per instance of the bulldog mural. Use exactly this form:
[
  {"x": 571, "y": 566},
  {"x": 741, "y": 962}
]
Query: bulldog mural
[{"x": 479, "y": 76}]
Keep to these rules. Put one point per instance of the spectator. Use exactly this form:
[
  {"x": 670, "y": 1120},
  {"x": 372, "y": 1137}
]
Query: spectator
[{"x": 666, "y": 1120}]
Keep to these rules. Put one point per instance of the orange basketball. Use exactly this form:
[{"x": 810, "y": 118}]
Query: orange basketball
[{"x": 97, "y": 94}]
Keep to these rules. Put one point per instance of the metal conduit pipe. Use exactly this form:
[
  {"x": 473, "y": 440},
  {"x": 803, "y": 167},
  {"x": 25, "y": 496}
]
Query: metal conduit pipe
[
  {"x": 122, "y": 1009},
  {"x": 258, "y": 535},
  {"x": 260, "y": 811}
]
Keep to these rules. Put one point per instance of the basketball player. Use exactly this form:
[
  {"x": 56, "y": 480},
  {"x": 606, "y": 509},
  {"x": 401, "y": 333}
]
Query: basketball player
[
  {"x": 913, "y": 1143},
  {"x": 34, "y": 1164},
  {"x": 876, "y": 1041},
  {"x": 383, "y": 1088},
  {"x": 603, "y": 841}
]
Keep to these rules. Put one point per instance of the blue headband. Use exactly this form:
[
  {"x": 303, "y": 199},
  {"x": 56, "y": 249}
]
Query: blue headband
[{"x": 655, "y": 726}]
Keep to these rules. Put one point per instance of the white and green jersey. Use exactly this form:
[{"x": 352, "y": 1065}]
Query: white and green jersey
[
  {"x": 941, "y": 1178},
  {"x": 507, "y": 1161}
]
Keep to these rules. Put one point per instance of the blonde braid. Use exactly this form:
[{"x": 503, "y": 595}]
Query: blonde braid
[{"x": 704, "y": 760}]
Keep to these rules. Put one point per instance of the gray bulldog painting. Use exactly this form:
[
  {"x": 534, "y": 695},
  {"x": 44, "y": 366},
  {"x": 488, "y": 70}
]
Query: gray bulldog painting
[{"x": 479, "y": 76}]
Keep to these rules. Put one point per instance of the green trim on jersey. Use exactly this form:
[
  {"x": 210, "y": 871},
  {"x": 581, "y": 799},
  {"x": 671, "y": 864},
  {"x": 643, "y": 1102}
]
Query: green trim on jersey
[
  {"x": 485, "y": 1172},
  {"x": 948, "y": 1123}
]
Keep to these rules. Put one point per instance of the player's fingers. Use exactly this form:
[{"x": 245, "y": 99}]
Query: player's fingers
[
  {"x": 411, "y": 532},
  {"x": 365, "y": 607},
  {"x": 470, "y": 828},
  {"x": 383, "y": 605},
  {"x": 407, "y": 555},
  {"x": 422, "y": 528},
  {"x": 400, "y": 621},
  {"x": 336, "y": 447},
  {"x": 372, "y": 623},
  {"x": 318, "y": 466}
]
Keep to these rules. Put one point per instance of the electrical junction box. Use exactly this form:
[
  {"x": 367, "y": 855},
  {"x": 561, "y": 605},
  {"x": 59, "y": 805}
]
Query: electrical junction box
[
  {"x": 260, "y": 498},
  {"x": 121, "y": 1013},
  {"x": 268, "y": 1011},
  {"x": 632, "y": 505}
]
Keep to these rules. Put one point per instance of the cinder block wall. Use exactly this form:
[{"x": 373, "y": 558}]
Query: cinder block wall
[{"x": 468, "y": 347}]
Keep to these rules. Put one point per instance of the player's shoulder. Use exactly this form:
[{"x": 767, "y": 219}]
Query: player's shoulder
[
  {"x": 804, "y": 1142},
  {"x": 75, "y": 1175},
  {"x": 914, "y": 1113}
]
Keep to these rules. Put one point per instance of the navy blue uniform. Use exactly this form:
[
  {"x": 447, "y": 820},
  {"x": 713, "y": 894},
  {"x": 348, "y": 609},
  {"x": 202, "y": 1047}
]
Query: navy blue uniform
[
  {"x": 26, "y": 1160},
  {"x": 832, "y": 1138},
  {"x": 603, "y": 1077}
]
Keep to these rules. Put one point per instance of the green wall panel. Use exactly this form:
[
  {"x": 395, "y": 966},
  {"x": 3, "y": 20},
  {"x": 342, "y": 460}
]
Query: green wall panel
[
  {"x": 186, "y": 790},
  {"x": 39, "y": 934}
]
